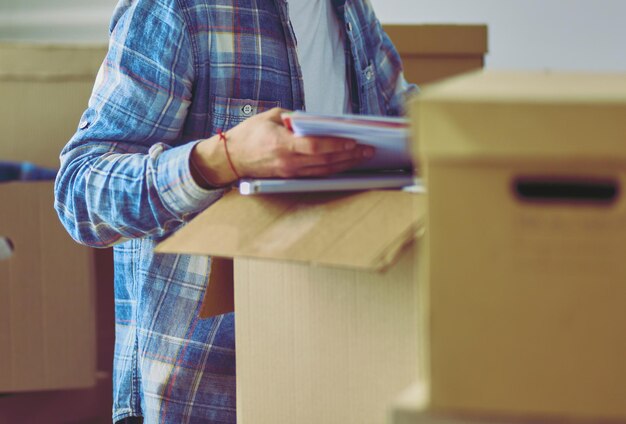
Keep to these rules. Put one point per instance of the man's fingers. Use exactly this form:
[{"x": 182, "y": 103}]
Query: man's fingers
[
  {"x": 306, "y": 165},
  {"x": 321, "y": 145},
  {"x": 323, "y": 170},
  {"x": 274, "y": 114},
  {"x": 359, "y": 153},
  {"x": 263, "y": 146}
]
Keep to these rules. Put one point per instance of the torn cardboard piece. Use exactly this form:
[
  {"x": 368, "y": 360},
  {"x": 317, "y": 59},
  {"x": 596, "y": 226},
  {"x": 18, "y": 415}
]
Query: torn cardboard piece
[{"x": 219, "y": 297}]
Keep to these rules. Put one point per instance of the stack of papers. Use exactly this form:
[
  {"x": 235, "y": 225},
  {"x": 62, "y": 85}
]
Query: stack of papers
[
  {"x": 390, "y": 167},
  {"x": 390, "y": 136}
]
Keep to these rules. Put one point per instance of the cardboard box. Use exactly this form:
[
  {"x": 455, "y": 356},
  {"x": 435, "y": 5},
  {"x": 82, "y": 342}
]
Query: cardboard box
[
  {"x": 526, "y": 234},
  {"x": 47, "y": 328},
  {"x": 322, "y": 336},
  {"x": 43, "y": 92},
  {"x": 433, "y": 52},
  {"x": 47, "y": 307},
  {"x": 412, "y": 407}
]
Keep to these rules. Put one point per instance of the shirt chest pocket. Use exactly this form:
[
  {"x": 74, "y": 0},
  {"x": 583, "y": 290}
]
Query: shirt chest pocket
[{"x": 227, "y": 112}]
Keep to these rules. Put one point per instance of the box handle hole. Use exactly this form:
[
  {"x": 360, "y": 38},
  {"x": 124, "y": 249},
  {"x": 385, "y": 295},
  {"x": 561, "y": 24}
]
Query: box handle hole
[
  {"x": 6, "y": 248},
  {"x": 567, "y": 190}
]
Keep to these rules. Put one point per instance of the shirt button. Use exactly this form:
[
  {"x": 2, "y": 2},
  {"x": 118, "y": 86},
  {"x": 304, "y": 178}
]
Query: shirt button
[
  {"x": 247, "y": 109},
  {"x": 83, "y": 124},
  {"x": 369, "y": 74},
  {"x": 349, "y": 27}
]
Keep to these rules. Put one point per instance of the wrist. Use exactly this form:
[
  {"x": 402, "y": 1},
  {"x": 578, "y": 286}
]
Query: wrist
[
  {"x": 224, "y": 142},
  {"x": 209, "y": 164}
]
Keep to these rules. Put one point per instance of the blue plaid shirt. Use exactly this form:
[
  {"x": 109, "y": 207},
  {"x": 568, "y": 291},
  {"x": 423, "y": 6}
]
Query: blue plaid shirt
[{"x": 176, "y": 72}]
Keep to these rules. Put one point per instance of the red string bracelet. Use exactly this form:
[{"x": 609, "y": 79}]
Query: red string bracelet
[{"x": 222, "y": 136}]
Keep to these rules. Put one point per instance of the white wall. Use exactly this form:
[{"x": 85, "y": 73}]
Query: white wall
[
  {"x": 523, "y": 34},
  {"x": 531, "y": 34},
  {"x": 74, "y": 21}
]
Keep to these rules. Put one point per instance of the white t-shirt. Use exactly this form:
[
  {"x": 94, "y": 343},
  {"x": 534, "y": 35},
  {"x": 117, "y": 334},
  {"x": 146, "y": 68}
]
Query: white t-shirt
[{"x": 321, "y": 55}]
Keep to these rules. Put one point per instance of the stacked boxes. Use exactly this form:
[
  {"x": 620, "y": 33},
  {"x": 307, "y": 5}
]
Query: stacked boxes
[
  {"x": 47, "y": 308},
  {"x": 526, "y": 234}
]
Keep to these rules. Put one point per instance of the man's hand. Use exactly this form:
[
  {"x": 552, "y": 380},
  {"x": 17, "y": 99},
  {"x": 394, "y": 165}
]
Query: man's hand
[{"x": 262, "y": 147}]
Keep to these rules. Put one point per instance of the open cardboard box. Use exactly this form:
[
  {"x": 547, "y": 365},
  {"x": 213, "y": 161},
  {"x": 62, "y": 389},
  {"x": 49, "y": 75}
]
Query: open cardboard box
[
  {"x": 526, "y": 235},
  {"x": 326, "y": 300},
  {"x": 365, "y": 231}
]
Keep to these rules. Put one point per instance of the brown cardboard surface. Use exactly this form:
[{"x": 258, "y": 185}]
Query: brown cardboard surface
[
  {"x": 524, "y": 116},
  {"x": 47, "y": 304},
  {"x": 49, "y": 62},
  {"x": 43, "y": 92},
  {"x": 412, "y": 407},
  {"x": 366, "y": 230},
  {"x": 320, "y": 336},
  {"x": 219, "y": 297},
  {"x": 438, "y": 39},
  {"x": 324, "y": 345},
  {"x": 432, "y": 52},
  {"x": 423, "y": 70},
  {"x": 47, "y": 338},
  {"x": 526, "y": 295}
]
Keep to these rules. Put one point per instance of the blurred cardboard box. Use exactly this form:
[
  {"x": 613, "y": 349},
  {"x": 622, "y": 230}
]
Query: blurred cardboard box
[
  {"x": 322, "y": 337},
  {"x": 43, "y": 92},
  {"x": 47, "y": 328},
  {"x": 411, "y": 407},
  {"x": 526, "y": 233},
  {"x": 47, "y": 307},
  {"x": 433, "y": 52}
]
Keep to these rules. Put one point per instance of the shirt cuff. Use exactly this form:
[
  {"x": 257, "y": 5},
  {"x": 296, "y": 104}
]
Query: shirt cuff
[{"x": 178, "y": 190}]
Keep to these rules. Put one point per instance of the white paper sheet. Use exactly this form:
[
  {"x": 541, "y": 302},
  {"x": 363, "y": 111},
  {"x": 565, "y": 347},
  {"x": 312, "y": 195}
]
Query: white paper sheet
[{"x": 390, "y": 136}]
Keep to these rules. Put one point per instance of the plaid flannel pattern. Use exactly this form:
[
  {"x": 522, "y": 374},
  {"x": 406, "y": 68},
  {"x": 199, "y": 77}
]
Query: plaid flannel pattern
[{"x": 176, "y": 72}]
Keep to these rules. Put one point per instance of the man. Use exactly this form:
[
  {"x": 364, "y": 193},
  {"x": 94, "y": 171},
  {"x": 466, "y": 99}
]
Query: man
[{"x": 187, "y": 101}]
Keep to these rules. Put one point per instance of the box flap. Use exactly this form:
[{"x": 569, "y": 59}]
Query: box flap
[
  {"x": 366, "y": 230},
  {"x": 522, "y": 116},
  {"x": 439, "y": 40}
]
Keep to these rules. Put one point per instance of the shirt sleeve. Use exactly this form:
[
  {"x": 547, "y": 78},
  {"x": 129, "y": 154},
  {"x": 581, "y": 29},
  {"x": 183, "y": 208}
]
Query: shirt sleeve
[
  {"x": 395, "y": 87},
  {"x": 125, "y": 173}
]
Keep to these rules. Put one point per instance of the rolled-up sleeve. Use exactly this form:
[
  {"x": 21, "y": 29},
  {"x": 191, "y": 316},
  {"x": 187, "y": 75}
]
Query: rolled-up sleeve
[
  {"x": 125, "y": 174},
  {"x": 394, "y": 86}
]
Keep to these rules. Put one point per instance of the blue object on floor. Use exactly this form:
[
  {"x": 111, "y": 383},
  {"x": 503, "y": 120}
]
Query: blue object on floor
[{"x": 25, "y": 171}]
